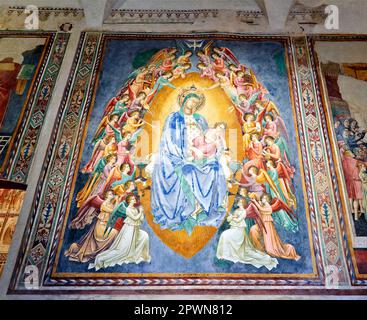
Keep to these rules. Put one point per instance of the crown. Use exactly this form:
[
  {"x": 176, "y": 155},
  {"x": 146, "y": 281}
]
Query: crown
[{"x": 189, "y": 92}]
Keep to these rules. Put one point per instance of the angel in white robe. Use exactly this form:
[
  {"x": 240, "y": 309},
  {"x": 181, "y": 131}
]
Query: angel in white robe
[
  {"x": 234, "y": 244},
  {"x": 131, "y": 244}
]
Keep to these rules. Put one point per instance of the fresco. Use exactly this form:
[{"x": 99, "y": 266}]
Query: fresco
[
  {"x": 29, "y": 66},
  {"x": 11, "y": 201},
  {"x": 18, "y": 66},
  {"x": 188, "y": 165},
  {"x": 183, "y": 162},
  {"x": 344, "y": 72}
]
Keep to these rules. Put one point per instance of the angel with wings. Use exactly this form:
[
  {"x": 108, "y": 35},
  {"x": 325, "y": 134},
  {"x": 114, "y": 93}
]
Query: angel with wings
[
  {"x": 104, "y": 130},
  {"x": 206, "y": 71},
  {"x": 279, "y": 175},
  {"x": 275, "y": 127},
  {"x": 227, "y": 55},
  {"x": 131, "y": 245},
  {"x": 245, "y": 106},
  {"x": 234, "y": 244},
  {"x": 97, "y": 179},
  {"x": 133, "y": 123},
  {"x": 125, "y": 141},
  {"x": 270, "y": 241},
  {"x": 225, "y": 83},
  {"x": 163, "y": 81},
  {"x": 204, "y": 54},
  {"x": 95, "y": 240},
  {"x": 103, "y": 148},
  {"x": 121, "y": 105},
  {"x": 250, "y": 126}
]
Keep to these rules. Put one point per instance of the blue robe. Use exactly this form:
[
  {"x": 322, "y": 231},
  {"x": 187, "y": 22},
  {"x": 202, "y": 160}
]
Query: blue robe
[{"x": 177, "y": 184}]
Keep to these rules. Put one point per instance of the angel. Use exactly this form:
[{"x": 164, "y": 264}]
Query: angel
[
  {"x": 206, "y": 71},
  {"x": 204, "y": 55},
  {"x": 277, "y": 150},
  {"x": 251, "y": 126},
  {"x": 227, "y": 55},
  {"x": 285, "y": 180},
  {"x": 125, "y": 140},
  {"x": 244, "y": 106},
  {"x": 255, "y": 150},
  {"x": 95, "y": 241},
  {"x": 184, "y": 58},
  {"x": 122, "y": 105},
  {"x": 97, "y": 180},
  {"x": 225, "y": 83},
  {"x": 274, "y": 128},
  {"x": 158, "y": 58},
  {"x": 163, "y": 81},
  {"x": 133, "y": 123},
  {"x": 141, "y": 101},
  {"x": 116, "y": 174},
  {"x": 137, "y": 85},
  {"x": 219, "y": 65},
  {"x": 261, "y": 177},
  {"x": 180, "y": 70},
  {"x": 126, "y": 175},
  {"x": 269, "y": 241},
  {"x": 286, "y": 195},
  {"x": 131, "y": 244},
  {"x": 234, "y": 244},
  {"x": 166, "y": 65},
  {"x": 103, "y": 148},
  {"x": 241, "y": 84},
  {"x": 138, "y": 101},
  {"x": 103, "y": 130}
]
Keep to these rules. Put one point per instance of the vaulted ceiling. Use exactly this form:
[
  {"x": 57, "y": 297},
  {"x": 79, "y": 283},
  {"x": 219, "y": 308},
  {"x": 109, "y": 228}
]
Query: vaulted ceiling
[{"x": 272, "y": 15}]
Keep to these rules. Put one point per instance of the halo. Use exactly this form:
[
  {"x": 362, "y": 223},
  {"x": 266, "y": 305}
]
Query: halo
[{"x": 193, "y": 91}]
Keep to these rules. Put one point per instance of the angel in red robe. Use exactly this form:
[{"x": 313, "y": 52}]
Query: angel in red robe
[
  {"x": 219, "y": 65},
  {"x": 270, "y": 241}
]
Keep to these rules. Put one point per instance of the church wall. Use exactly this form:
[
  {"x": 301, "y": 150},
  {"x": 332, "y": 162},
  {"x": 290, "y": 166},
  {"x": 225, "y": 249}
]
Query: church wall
[{"x": 340, "y": 253}]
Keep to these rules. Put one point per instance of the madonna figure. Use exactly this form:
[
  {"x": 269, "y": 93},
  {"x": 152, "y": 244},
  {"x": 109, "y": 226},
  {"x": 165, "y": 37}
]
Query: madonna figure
[{"x": 186, "y": 191}]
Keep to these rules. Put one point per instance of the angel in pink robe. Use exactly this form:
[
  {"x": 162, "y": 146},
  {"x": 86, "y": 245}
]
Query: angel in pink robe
[
  {"x": 267, "y": 240},
  {"x": 204, "y": 58},
  {"x": 206, "y": 71},
  {"x": 240, "y": 84},
  {"x": 102, "y": 148},
  {"x": 274, "y": 128}
]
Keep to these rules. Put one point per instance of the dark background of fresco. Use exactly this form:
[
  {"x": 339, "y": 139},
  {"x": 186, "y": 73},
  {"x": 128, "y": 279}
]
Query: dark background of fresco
[
  {"x": 268, "y": 62},
  {"x": 16, "y": 102}
]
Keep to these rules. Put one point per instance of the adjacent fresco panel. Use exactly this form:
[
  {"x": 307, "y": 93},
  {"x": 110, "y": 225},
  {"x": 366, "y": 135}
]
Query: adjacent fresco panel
[
  {"x": 343, "y": 66},
  {"x": 186, "y": 161},
  {"x": 29, "y": 66}
]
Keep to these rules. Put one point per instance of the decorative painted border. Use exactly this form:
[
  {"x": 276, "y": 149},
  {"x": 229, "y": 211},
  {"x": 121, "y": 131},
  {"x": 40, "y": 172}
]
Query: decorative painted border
[
  {"x": 29, "y": 127},
  {"x": 317, "y": 176},
  {"x": 337, "y": 173}
]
